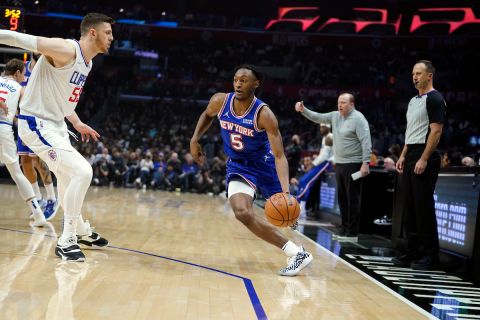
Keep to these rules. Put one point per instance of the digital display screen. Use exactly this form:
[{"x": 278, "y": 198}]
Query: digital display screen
[
  {"x": 328, "y": 193},
  {"x": 456, "y": 204},
  {"x": 11, "y": 18}
]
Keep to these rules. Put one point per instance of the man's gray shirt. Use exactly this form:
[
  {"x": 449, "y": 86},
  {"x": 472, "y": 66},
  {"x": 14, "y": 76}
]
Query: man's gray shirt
[{"x": 351, "y": 135}]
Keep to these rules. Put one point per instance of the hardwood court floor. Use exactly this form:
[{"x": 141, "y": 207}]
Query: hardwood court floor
[{"x": 173, "y": 256}]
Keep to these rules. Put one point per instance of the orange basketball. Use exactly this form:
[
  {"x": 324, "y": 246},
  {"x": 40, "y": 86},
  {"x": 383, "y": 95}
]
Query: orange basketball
[{"x": 282, "y": 209}]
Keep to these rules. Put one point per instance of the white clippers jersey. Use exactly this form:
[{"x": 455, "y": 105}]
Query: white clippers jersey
[
  {"x": 53, "y": 93},
  {"x": 10, "y": 94}
]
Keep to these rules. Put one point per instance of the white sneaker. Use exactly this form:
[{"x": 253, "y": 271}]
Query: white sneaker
[
  {"x": 39, "y": 220},
  {"x": 296, "y": 263}
]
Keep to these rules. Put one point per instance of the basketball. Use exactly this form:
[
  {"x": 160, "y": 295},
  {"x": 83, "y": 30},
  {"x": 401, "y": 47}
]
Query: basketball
[{"x": 282, "y": 209}]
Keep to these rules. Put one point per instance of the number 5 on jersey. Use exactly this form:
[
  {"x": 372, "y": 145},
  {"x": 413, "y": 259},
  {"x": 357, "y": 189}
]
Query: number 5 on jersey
[
  {"x": 77, "y": 91},
  {"x": 236, "y": 141}
]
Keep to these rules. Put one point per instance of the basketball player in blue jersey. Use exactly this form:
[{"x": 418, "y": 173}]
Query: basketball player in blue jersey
[
  {"x": 51, "y": 95},
  {"x": 252, "y": 141},
  {"x": 31, "y": 163}
]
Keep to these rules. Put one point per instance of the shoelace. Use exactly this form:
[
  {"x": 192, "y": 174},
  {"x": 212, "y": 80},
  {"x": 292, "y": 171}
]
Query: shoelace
[
  {"x": 294, "y": 261},
  {"x": 71, "y": 241}
]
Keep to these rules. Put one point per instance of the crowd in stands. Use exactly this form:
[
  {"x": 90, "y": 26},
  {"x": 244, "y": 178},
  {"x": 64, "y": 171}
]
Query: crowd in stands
[
  {"x": 146, "y": 146},
  {"x": 145, "y": 143}
]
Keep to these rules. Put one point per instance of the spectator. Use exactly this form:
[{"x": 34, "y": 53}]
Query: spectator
[
  {"x": 132, "y": 171},
  {"x": 146, "y": 166},
  {"x": 204, "y": 182},
  {"x": 394, "y": 152},
  {"x": 217, "y": 171},
  {"x": 445, "y": 162},
  {"x": 189, "y": 171},
  {"x": 293, "y": 152},
  {"x": 159, "y": 167},
  {"x": 174, "y": 169},
  {"x": 119, "y": 168},
  {"x": 101, "y": 173}
]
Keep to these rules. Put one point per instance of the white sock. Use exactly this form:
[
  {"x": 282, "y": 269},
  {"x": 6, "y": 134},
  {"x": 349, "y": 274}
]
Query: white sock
[
  {"x": 69, "y": 226},
  {"x": 83, "y": 227},
  {"x": 290, "y": 248},
  {"x": 36, "y": 189},
  {"x": 50, "y": 192},
  {"x": 35, "y": 207}
]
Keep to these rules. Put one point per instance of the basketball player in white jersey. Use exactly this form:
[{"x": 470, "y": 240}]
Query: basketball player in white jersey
[
  {"x": 10, "y": 93},
  {"x": 31, "y": 163},
  {"x": 51, "y": 95},
  {"x": 3, "y": 106}
]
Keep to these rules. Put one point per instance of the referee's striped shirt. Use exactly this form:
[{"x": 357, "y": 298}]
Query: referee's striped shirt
[{"x": 422, "y": 111}]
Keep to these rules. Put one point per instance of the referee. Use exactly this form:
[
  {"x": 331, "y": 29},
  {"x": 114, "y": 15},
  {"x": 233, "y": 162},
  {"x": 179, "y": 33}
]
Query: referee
[{"x": 419, "y": 165}]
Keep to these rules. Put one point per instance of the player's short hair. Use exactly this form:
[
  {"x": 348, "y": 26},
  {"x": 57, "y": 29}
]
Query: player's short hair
[
  {"x": 428, "y": 65},
  {"x": 36, "y": 56},
  {"x": 259, "y": 75},
  {"x": 91, "y": 20},
  {"x": 13, "y": 66}
]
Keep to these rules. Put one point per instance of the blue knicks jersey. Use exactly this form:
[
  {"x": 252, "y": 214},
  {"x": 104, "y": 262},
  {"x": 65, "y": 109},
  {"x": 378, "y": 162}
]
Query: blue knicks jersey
[{"x": 242, "y": 139}]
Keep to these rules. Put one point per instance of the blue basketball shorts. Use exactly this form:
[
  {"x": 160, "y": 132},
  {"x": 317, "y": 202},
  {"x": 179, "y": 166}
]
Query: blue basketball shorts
[{"x": 260, "y": 174}]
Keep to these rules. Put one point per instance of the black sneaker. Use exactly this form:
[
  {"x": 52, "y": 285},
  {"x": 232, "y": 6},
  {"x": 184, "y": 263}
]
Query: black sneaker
[
  {"x": 402, "y": 261},
  {"x": 69, "y": 250},
  {"x": 94, "y": 240},
  {"x": 425, "y": 263}
]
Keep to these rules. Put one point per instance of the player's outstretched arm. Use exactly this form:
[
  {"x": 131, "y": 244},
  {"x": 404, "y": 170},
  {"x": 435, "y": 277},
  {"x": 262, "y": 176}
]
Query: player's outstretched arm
[
  {"x": 59, "y": 50},
  {"x": 204, "y": 122},
  {"x": 268, "y": 121},
  {"x": 312, "y": 115}
]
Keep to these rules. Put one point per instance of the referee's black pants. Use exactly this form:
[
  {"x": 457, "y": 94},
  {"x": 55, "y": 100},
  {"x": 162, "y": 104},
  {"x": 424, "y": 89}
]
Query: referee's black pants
[
  {"x": 420, "y": 221},
  {"x": 348, "y": 193}
]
